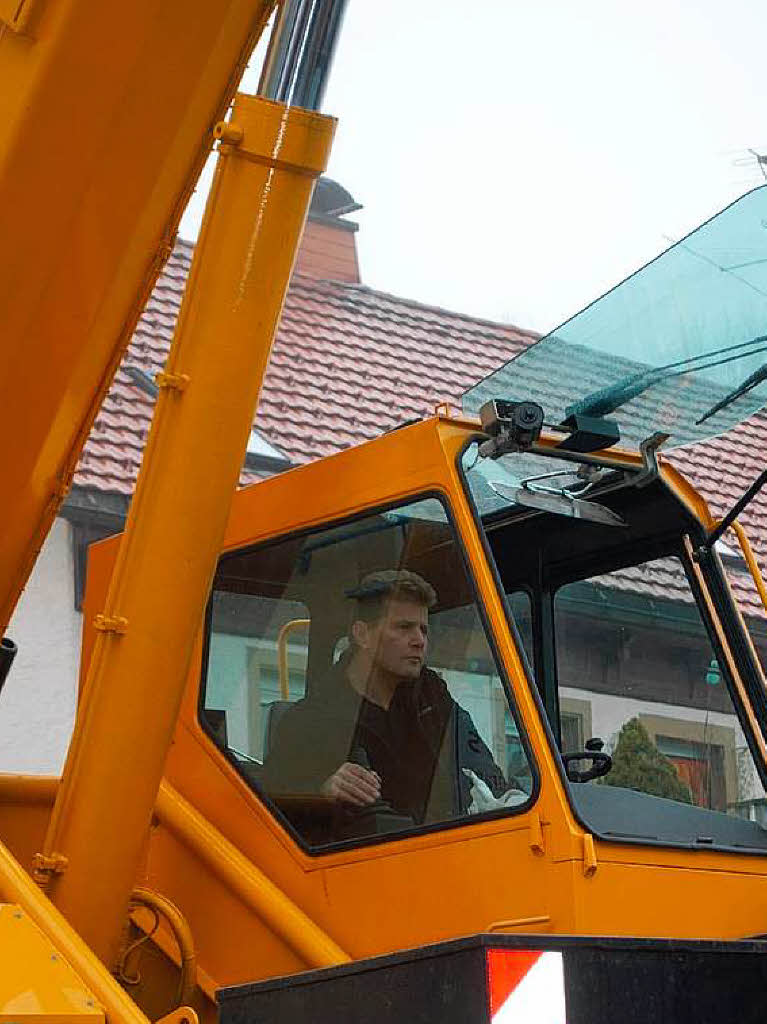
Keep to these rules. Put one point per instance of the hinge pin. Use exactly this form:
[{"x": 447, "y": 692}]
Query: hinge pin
[{"x": 228, "y": 133}]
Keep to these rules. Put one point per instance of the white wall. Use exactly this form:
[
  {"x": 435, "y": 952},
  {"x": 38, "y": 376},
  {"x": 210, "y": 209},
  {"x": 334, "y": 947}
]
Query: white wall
[{"x": 37, "y": 705}]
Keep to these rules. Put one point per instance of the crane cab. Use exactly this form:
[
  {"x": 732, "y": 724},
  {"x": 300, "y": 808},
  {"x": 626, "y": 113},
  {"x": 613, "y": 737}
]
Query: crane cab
[
  {"x": 575, "y": 743},
  {"x": 599, "y": 667}
]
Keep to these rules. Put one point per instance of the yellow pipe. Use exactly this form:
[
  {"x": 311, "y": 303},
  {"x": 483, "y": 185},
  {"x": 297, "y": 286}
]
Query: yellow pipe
[
  {"x": 307, "y": 940},
  {"x": 282, "y": 653},
  {"x": 17, "y": 887},
  {"x": 182, "y": 934},
  {"x": 31, "y": 790},
  {"x": 268, "y": 162},
  {"x": 751, "y": 562}
]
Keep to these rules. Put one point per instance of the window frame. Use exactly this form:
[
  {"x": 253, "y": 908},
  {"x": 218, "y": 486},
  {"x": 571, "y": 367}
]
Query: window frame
[
  {"x": 263, "y": 799},
  {"x": 535, "y": 673}
]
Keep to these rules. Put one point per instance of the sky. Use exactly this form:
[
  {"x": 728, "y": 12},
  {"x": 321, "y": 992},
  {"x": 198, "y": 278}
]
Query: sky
[{"x": 515, "y": 159}]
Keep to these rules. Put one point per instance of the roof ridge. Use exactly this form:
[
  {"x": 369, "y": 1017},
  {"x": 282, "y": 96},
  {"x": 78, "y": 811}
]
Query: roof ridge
[{"x": 310, "y": 283}]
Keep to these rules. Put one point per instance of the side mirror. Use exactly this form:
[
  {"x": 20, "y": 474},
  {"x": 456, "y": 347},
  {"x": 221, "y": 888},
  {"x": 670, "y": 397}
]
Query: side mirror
[{"x": 600, "y": 763}]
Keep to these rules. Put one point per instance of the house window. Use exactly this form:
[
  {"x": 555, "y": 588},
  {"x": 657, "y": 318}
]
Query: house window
[
  {"x": 256, "y": 668},
  {"x": 572, "y": 732},
  {"x": 701, "y": 766}
]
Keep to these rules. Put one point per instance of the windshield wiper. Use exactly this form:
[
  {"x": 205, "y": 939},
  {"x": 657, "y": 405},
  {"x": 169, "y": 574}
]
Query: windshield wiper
[
  {"x": 607, "y": 400},
  {"x": 742, "y": 389},
  {"x": 560, "y": 501}
]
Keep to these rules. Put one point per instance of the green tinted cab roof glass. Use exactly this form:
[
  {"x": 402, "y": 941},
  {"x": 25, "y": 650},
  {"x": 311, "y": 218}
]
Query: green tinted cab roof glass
[{"x": 680, "y": 346}]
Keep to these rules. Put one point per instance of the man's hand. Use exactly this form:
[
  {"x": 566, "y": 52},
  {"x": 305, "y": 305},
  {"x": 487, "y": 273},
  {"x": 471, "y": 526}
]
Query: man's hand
[{"x": 353, "y": 784}]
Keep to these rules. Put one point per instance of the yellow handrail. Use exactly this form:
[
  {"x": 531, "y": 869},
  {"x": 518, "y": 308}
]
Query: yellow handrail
[
  {"x": 303, "y": 935},
  {"x": 751, "y": 562},
  {"x": 282, "y": 653}
]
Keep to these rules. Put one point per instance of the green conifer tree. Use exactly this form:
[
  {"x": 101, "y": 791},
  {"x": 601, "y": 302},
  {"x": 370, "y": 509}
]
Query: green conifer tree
[{"x": 639, "y": 765}]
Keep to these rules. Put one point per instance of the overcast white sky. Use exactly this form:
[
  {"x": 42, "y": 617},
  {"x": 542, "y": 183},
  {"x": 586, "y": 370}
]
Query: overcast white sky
[{"x": 515, "y": 158}]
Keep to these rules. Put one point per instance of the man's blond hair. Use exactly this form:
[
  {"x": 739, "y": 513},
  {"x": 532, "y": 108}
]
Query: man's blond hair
[{"x": 375, "y": 590}]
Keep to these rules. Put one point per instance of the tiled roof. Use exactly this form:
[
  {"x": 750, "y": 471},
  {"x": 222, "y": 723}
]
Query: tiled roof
[
  {"x": 350, "y": 362},
  {"x": 722, "y": 469}
]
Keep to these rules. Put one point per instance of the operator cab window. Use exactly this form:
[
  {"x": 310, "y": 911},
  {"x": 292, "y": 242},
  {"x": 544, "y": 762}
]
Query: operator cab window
[
  {"x": 349, "y": 679},
  {"x": 637, "y": 673},
  {"x": 655, "y": 741}
]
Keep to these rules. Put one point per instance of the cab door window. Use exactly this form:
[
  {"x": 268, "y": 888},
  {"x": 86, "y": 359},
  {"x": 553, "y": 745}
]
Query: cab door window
[
  {"x": 350, "y": 680},
  {"x": 636, "y": 672}
]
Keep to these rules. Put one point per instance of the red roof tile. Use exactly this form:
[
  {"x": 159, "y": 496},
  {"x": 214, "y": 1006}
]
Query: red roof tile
[{"x": 349, "y": 363}]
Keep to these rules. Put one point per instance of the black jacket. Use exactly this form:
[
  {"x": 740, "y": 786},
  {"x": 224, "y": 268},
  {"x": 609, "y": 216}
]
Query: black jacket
[{"x": 418, "y": 746}]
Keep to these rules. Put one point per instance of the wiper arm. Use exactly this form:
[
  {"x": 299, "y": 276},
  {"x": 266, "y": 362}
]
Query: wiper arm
[
  {"x": 607, "y": 400},
  {"x": 734, "y": 512},
  {"x": 742, "y": 389}
]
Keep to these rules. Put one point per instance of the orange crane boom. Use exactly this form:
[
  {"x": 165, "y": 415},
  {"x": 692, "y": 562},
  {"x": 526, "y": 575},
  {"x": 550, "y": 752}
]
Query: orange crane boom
[{"x": 105, "y": 124}]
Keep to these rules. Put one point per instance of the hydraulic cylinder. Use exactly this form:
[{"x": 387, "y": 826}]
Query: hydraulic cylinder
[{"x": 270, "y": 156}]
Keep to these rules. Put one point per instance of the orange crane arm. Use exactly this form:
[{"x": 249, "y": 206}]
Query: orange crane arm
[{"x": 105, "y": 123}]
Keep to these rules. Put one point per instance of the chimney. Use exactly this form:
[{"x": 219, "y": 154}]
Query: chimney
[{"x": 328, "y": 249}]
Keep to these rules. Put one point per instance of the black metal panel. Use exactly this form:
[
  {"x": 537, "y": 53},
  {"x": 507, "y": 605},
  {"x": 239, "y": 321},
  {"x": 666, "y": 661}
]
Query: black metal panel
[
  {"x": 445, "y": 987},
  {"x": 633, "y": 981}
]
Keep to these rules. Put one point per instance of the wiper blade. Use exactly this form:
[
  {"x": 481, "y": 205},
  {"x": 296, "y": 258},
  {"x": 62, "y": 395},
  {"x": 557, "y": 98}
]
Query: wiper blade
[
  {"x": 607, "y": 400},
  {"x": 757, "y": 377},
  {"x": 559, "y": 502}
]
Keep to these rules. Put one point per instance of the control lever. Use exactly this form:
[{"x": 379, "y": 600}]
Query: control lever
[
  {"x": 376, "y": 818},
  {"x": 360, "y": 756}
]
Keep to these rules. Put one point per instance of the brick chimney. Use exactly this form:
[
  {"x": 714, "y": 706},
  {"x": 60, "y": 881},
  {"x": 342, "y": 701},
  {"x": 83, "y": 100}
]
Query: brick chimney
[{"x": 328, "y": 249}]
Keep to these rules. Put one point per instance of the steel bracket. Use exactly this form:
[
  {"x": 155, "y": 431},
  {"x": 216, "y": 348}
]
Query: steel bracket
[
  {"x": 535, "y": 834},
  {"x": 46, "y": 865},
  {"x": 174, "y": 381},
  {"x": 111, "y": 624},
  {"x": 590, "y": 862},
  {"x": 649, "y": 449}
]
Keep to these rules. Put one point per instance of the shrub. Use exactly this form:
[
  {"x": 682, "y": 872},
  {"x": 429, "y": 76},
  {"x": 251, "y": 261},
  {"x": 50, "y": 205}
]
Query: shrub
[{"x": 639, "y": 765}]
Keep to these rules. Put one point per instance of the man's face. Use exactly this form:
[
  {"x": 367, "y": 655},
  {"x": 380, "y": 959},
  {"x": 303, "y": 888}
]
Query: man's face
[{"x": 397, "y": 641}]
